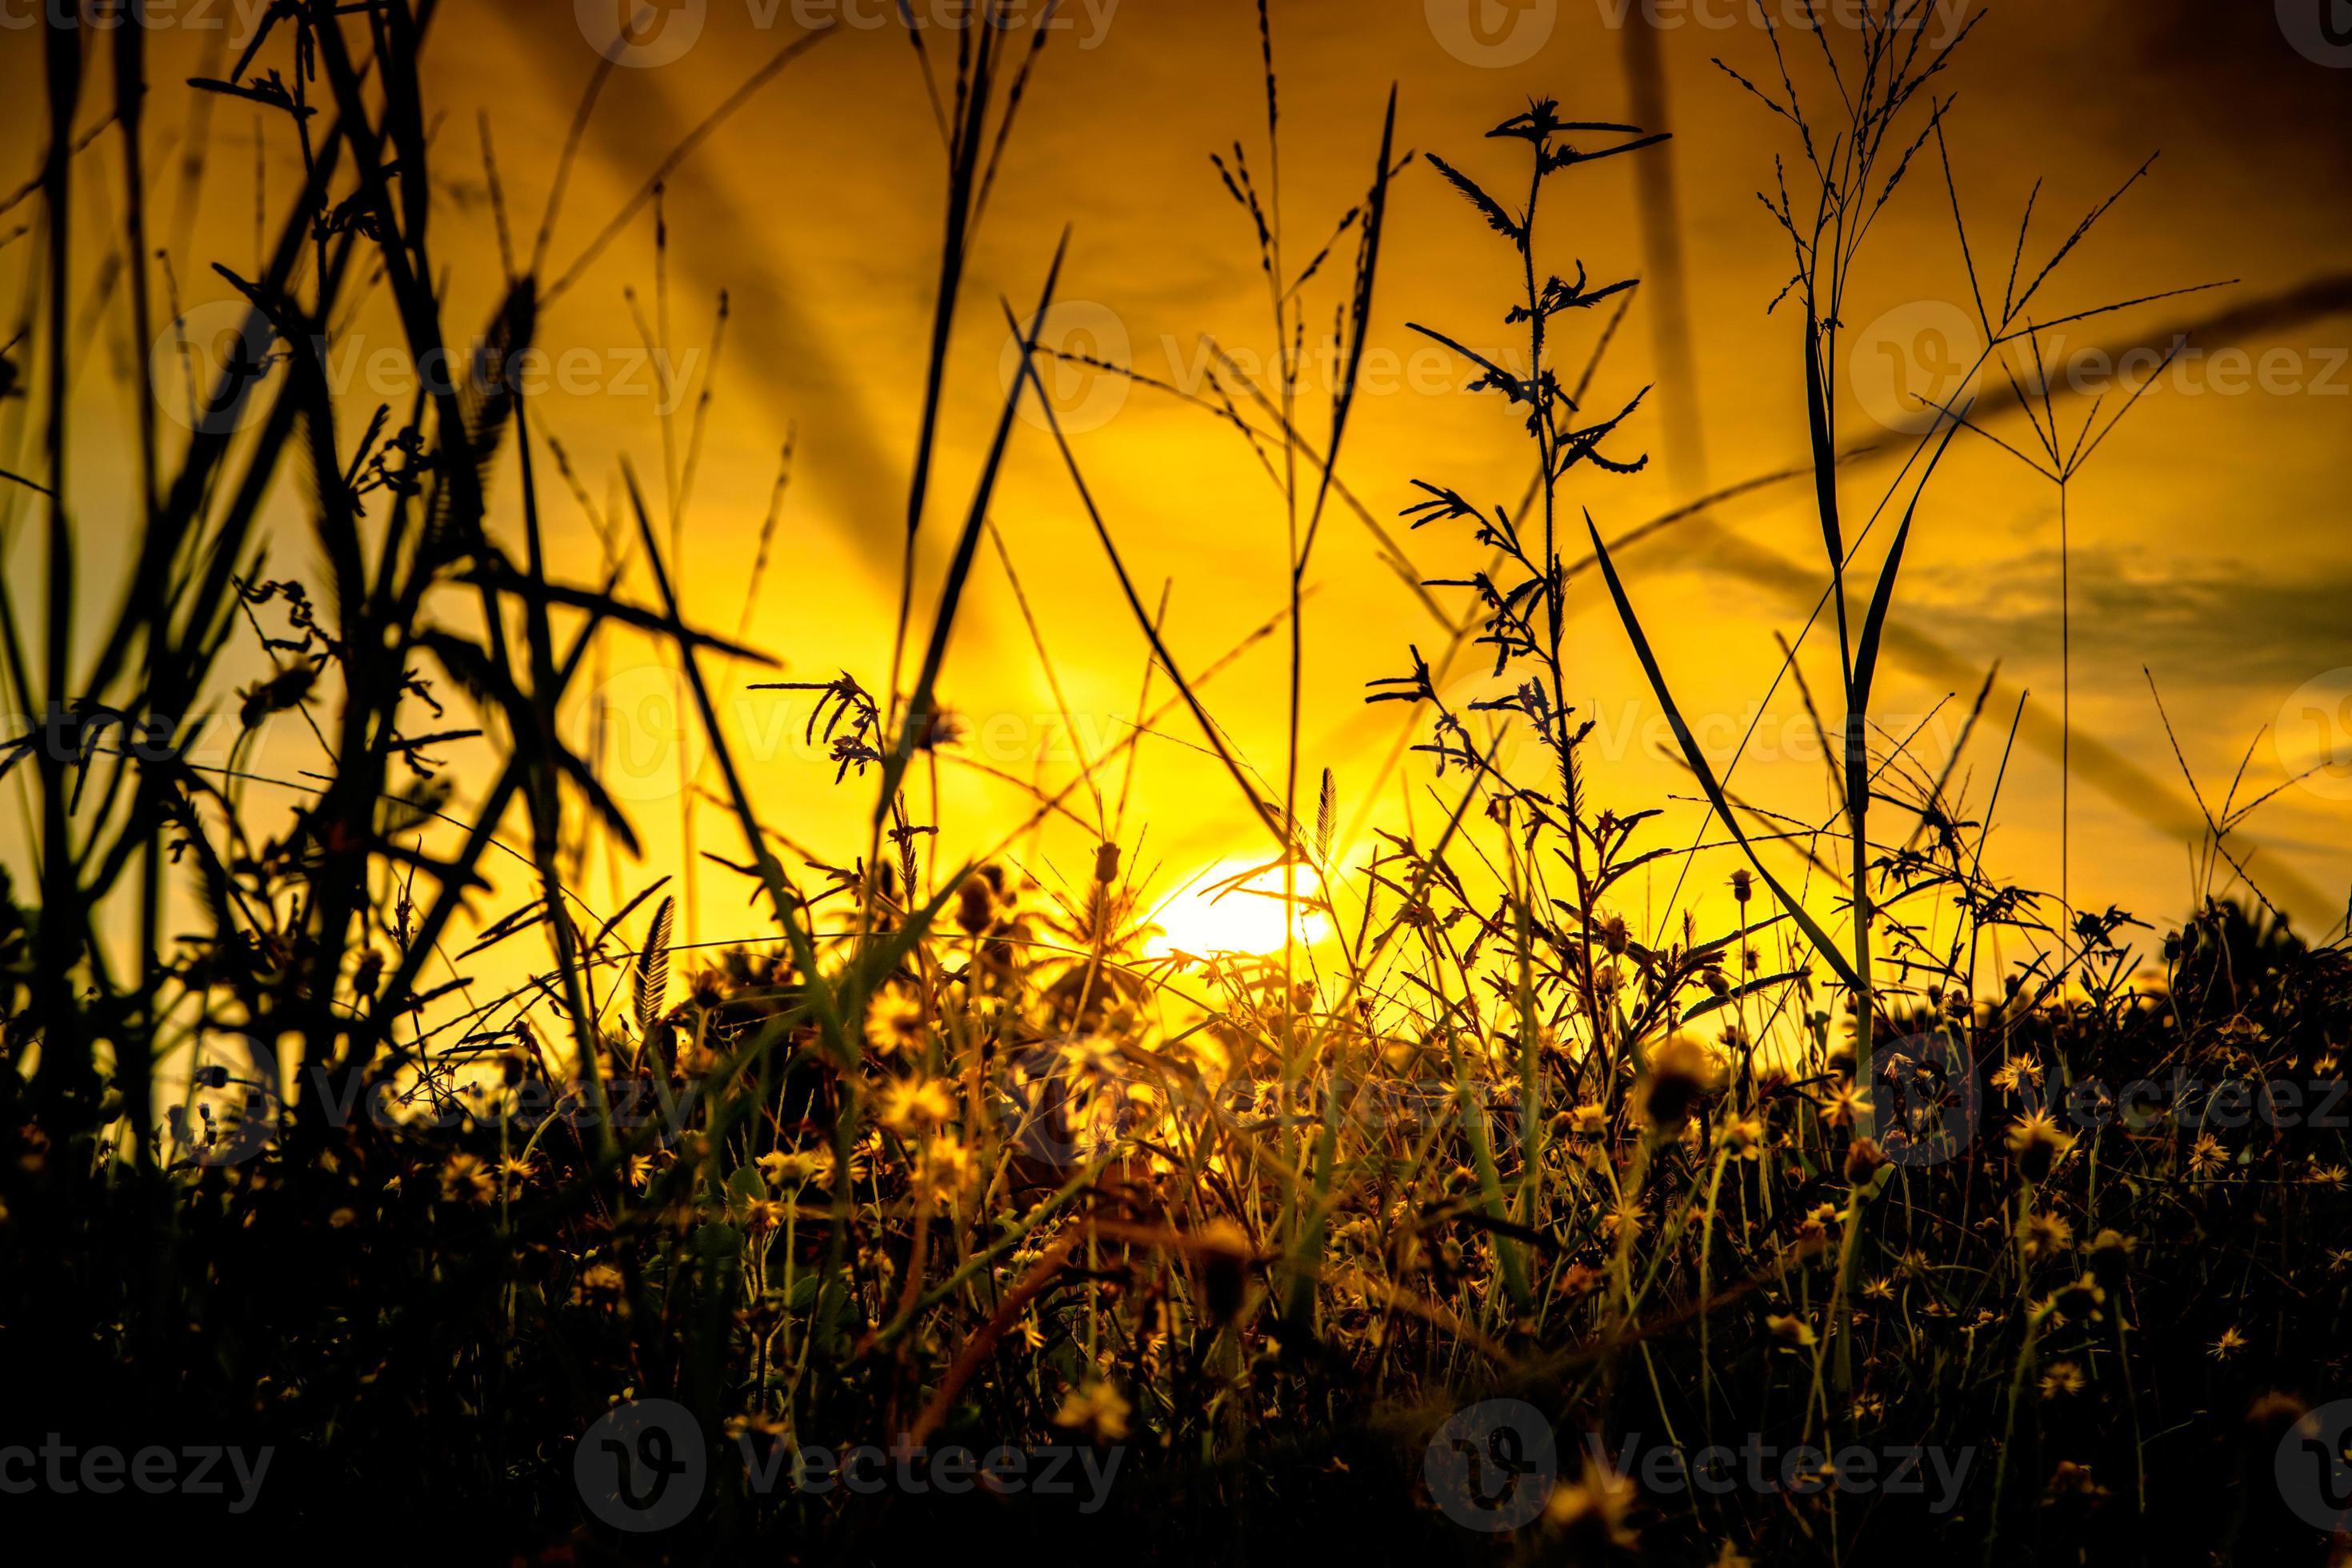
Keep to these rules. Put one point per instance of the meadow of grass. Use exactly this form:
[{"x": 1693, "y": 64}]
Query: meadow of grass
[{"x": 1964, "y": 1222}]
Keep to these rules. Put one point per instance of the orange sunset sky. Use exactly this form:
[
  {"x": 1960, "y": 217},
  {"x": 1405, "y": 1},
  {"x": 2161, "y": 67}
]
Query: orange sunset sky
[{"x": 2209, "y": 537}]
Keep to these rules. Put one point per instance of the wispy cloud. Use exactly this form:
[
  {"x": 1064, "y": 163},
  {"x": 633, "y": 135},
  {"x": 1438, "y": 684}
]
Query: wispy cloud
[{"x": 2218, "y": 623}]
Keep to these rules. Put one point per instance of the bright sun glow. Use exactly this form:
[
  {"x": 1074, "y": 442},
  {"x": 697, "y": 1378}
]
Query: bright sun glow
[{"x": 1211, "y": 914}]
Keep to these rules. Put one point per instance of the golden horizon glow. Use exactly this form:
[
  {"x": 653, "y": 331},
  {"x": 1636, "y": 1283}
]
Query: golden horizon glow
[{"x": 1213, "y": 913}]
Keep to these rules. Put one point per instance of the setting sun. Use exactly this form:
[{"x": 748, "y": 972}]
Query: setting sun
[{"x": 1215, "y": 912}]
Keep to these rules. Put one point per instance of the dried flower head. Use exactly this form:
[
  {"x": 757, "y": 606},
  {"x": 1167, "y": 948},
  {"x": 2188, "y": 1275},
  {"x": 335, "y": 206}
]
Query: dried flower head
[
  {"x": 908, "y": 1103},
  {"x": 466, "y": 1179},
  {"x": 2046, "y": 1234},
  {"x": 2061, "y": 1379},
  {"x": 895, "y": 1018},
  {"x": 1864, "y": 1159},
  {"x": 1682, "y": 1074},
  {"x": 1095, "y": 1409},
  {"x": 2036, "y": 1142},
  {"x": 975, "y": 905},
  {"x": 1592, "y": 1512}
]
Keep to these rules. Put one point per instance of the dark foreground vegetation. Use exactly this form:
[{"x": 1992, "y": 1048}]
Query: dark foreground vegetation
[{"x": 1957, "y": 1223}]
